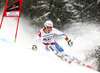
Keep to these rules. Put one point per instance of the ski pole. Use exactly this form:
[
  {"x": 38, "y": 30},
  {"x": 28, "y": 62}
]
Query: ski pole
[{"x": 79, "y": 31}]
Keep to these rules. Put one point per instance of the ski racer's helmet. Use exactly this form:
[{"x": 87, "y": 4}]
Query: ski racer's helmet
[{"x": 48, "y": 24}]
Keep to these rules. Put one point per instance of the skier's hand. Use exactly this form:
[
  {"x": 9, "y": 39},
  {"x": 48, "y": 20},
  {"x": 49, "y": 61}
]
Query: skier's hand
[
  {"x": 70, "y": 43},
  {"x": 34, "y": 47}
]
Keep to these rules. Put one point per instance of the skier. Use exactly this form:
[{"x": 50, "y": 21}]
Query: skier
[{"x": 46, "y": 35}]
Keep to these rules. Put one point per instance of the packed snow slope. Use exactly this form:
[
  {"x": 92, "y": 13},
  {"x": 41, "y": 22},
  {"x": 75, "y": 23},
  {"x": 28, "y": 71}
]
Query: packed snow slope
[{"x": 19, "y": 58}]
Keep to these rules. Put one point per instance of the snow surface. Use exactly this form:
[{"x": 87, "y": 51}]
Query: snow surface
[{"x": 19, "y": 58}]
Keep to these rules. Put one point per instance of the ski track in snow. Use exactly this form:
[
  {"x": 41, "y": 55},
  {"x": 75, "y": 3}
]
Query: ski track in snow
[{"x": 19, "y": 58}]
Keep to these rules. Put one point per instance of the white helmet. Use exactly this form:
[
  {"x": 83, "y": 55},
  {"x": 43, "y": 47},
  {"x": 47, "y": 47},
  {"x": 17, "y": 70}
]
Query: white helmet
[{"x": 48, "y": 24}]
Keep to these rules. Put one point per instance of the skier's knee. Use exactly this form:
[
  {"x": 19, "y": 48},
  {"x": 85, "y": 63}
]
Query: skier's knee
[{"x": 49, "y": 47}]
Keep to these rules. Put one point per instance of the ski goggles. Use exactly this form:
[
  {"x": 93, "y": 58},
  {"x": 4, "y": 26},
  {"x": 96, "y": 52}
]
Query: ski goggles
[{"x": 48, "y": 27}]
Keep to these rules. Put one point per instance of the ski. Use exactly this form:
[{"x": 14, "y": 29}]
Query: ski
[
  {"x": 82, "y": 64},
  {"x": 89, "y": 66},
  {"x": 79, "y": 62}
]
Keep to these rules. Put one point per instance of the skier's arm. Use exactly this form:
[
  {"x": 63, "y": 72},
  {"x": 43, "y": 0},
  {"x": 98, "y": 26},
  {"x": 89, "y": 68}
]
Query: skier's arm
[
  {"x": 34, "y": 47},
  {"x": 35, "y": 40},
  {"x": 59, "y": 33}
]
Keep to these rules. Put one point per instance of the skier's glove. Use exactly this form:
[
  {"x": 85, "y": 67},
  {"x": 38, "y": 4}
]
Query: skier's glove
[
  {"x": 70, "y": 43},
  {"x": 34, "y": 47}
]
